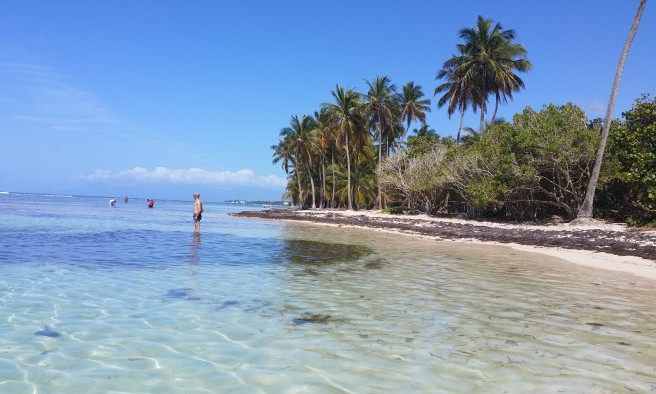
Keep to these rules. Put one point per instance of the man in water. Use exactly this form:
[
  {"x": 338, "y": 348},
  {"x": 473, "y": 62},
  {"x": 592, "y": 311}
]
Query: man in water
[
  {"x": 112, "y": 202},
  {"x": 198, "y": 212}
]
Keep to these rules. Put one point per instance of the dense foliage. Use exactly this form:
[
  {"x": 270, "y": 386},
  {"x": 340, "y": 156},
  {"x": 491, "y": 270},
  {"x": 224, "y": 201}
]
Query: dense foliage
[
  {"x": 353, "y": 152},
  {"x": 629, "y": 176}
]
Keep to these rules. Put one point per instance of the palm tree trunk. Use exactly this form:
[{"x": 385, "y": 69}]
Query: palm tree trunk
[
  {"x": 462, "y": 115},
  {"x": 482, "y": 121},
  {"x": 332, "y": 162},
  {"x": 380, "y": 157},
  {"x": 585, "y": 210},
  {"x": 300, "y": 190},
  {"x": 314, "y": 199},
  {"x": 496, "y": 106},
  {"x": 322, "y": 202},
  {"x": 348, "y": 175}
]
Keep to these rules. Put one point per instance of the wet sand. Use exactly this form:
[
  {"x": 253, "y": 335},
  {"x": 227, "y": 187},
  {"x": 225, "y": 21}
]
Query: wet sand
[{"x": 607, "y": 246}]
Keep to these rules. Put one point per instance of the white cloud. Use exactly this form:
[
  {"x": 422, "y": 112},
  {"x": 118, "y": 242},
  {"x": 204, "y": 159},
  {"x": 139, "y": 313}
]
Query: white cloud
[{"x": 243, "y": 177}]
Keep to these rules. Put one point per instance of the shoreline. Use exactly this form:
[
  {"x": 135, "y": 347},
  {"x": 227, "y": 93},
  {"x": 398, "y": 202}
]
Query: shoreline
[{"x": 607, "y": 246}]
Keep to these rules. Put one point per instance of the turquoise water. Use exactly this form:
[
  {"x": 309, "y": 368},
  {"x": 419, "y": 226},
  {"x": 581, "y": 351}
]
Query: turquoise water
[{"x": 128, "y": 300}]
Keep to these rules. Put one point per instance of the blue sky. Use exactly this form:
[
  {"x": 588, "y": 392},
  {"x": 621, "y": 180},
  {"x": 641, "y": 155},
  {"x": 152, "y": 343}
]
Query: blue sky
[{"x": 165, "y": 98}]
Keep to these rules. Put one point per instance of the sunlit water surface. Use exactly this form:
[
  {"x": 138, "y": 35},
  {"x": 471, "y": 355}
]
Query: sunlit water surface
[{"x": 127, "y": 299}]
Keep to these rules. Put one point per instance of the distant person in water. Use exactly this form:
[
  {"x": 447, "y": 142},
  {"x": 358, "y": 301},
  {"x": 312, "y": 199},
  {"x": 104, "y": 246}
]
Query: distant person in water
[
  {"x": 112, "y": 202},
  {"x": 198, "y": 212},
  {"x": 126, "y": 199},
  {"x": 151, "y": 203}
]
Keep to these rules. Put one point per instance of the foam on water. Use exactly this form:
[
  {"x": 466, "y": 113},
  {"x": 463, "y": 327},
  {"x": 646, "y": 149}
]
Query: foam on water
[{"x": 143, "y": 305}]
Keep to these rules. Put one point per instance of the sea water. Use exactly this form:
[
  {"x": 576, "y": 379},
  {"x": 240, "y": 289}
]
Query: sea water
[{"x": 127, "y": 299}]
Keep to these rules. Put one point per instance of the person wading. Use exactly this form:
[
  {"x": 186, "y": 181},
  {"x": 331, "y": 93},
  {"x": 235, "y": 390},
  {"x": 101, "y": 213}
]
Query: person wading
[{"x": 198, "y": 212}]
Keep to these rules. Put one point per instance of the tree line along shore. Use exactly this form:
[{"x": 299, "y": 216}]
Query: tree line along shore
[{"x": 357, "y": 151}]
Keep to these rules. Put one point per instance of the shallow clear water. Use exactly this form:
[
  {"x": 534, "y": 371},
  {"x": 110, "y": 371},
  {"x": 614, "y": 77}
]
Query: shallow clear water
[{"x": 134, "y": 302}]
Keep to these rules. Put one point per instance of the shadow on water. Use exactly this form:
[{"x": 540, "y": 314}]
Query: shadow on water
[
  {"x": 180, "y": 294},
  {"x": 313, "y": 253},
  {"x": 162, "y": 249},
  {"x": 48, "y": 332}
]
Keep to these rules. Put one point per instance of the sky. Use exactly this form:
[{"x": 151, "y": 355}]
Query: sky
[{"x": 160, "y": 99}]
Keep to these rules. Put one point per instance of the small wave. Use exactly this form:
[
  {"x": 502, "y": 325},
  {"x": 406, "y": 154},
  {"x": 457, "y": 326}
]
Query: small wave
[
  {"x": 58, "y": 195},
  {"x": 4, "y": 192}
]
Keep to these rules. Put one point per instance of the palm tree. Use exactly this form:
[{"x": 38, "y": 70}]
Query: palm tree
[
  {"x": 457, "y": 92},
  {"x": 326, "y": 146},
  {"x": 486, "y": 64},
  {"x": 413, "y": 106},
  {"x": 585, "y": 212},
  {"x": 301, "y": 139},
  {"x": 425, "y": 132},
  {"x": 395, "y": 136},
  {"x": 380, "y": 108},
  {"x": 283, "y": 153},
  {"x": 469, "y": 136},
  {"x": 345, "y": 114}
]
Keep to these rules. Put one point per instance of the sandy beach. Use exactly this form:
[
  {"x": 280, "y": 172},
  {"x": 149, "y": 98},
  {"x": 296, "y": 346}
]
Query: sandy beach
[{"x": 608, "y": 246}]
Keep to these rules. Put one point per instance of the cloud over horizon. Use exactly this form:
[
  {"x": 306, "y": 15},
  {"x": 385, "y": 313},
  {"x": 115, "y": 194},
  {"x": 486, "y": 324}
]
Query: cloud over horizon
[{"x": 244, "y": 177}]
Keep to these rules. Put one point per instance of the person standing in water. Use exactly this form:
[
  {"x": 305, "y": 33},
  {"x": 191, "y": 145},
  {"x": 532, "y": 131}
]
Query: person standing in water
[{"x": 198, "y": 212}]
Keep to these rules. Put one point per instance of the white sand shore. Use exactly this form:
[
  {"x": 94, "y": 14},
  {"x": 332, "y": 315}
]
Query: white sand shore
[
  {"x": 598, "y": 260},
  {"x": 640, "y": 267}
]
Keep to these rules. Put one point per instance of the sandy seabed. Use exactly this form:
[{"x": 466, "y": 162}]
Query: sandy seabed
[{"x": 608, "y": 246}]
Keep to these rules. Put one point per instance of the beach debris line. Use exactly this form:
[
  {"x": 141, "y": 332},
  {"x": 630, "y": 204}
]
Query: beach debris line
[{"x": 620, "y": 242}]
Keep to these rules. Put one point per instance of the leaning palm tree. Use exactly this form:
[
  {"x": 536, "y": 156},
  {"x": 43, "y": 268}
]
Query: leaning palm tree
[
  {"x": 346, "y": 116},
  {"x": 413, "y": 105},
  {"x": 380, "y": 108},
  {"x": 585, "y": 212}
]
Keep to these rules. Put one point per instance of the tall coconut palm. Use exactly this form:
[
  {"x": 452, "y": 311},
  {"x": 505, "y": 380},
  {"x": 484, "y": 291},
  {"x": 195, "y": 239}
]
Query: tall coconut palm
[
  {"x": 413, "y": 105},
  {"x": 301, "y": 139},
  {"x": 346, "y": 116},
  {"x": 486, "y": 64},
  {"x": 379, "y": 108},
  {"x": 585, "y": 211}
]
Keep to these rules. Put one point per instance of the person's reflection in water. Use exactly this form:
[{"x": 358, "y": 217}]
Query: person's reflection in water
[{"x": 195, "y": 245}]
